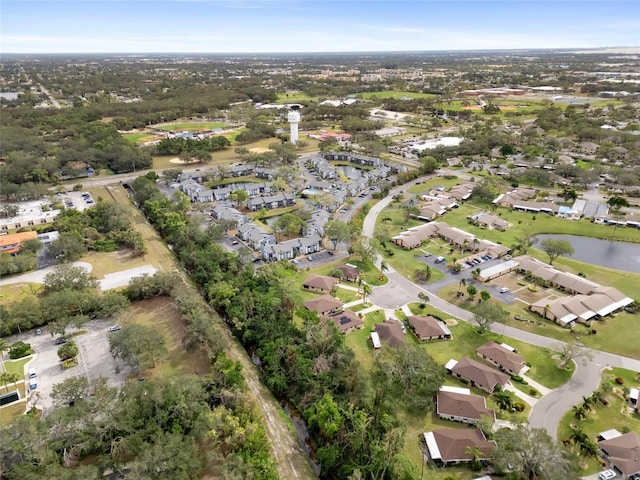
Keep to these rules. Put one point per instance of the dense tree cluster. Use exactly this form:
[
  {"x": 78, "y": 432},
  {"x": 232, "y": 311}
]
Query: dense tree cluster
[{"x": 356, "y": 426}]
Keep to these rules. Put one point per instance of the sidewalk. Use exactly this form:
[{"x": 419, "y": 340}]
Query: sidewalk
[
  {"x": 541, "y": 388},
  {"x": 521, "y": 395}
]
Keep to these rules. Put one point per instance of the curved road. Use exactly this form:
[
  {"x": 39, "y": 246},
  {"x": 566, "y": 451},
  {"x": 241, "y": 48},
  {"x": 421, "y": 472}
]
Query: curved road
[{"x": 548, "y": 411}]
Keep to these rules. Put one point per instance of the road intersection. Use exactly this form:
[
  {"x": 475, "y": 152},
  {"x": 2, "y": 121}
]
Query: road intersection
[{"x": 548, "y": 410}]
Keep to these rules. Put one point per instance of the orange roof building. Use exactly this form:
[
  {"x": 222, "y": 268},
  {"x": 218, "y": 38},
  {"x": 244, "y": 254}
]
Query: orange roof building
[{"x": 12, "y": 243}]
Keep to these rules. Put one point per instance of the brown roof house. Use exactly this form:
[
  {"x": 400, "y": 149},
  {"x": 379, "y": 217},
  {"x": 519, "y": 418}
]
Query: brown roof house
[
  {"x": 12, "y": 243},
  {"x": 324, "y": 304},
  {"x": 450, "y": 446},
  {"x": 429, "y": 328},
  {"x": 622, "y": 454},
  {"x": 390, "y": 332},
  {"x": 349, "y": 272},
  {"x": 320, "y": 283},
  {"x": 461, "y": 407},
  {"x": 346, "y": 321},
  {"x": 478, "y": 375},
  {"x": 502, "y": 356}
]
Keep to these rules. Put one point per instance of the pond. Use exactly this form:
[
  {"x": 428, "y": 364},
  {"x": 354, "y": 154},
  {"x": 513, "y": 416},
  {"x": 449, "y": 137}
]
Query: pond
[
  {"x": 611, "y": 254},
  {"x": 349, "y": 171}
]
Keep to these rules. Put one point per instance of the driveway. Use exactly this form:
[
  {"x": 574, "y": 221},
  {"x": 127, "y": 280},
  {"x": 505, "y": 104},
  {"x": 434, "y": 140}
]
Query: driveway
[{"x": 37, "y": 276}]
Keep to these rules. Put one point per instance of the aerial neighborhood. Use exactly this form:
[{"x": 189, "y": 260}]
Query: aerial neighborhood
[{"x": 362, "y": 266}]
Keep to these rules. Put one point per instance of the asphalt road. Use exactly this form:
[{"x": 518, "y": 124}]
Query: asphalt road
[{"x": 548, "y": 411}]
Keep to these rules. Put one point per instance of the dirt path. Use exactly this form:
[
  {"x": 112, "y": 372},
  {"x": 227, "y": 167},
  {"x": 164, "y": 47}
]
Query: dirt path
[{"x": 291, "y": 459}]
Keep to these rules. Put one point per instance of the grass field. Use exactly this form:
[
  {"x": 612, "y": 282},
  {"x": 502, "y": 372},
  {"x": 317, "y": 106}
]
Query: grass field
[
  {"x": 395, "y": 94},
  {"x": 190, "y": 126},
  {"x": 17, "y": 366},
  {"x": 164, "y": 316},
  {"x": 138, "y": 137},
  {"x": 600, "y": 418},
  {"x": 15, "y": 292},
  {"x": 295, "y": 97}
]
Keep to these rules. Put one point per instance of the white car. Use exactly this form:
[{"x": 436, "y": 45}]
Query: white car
[
  {"x": 504, "y": 290},
  {"x": 607, "y": 475},
  {"x": 114, "y": 328}
]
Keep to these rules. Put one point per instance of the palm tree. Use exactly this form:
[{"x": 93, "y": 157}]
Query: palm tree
[
  {"x": 4, "y": 347},
  {"x": 366, "y": 291},
  {"x": 587, "y": 403},
  {"x": 579, "y": 412},
  {"x": 7, "y": 378},
  {"x": 475, "y": 456},
  {"x": 503, "y": 399},
  {"x": 384, "y": 267},
  {"x": 462, "y": 283},
  {"x": 578, "y": 436}
]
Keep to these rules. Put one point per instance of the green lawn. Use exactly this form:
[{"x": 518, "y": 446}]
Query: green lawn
[
  {"x": 17, "y": 366},
  {"x": 190, "y": 126},
  {"x": 136, "y": 137},
  {"x": 608, "y": 330},
  {"x": 601, "y": 418},
  {"x": 295, "y": 97},
  {"x": 395, "y": 94}
]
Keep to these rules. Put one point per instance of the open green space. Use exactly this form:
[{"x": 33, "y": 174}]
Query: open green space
[
  {"x": 17, "y": 366},
  {"x": 295, "y": 97},
  {"x": 15, "y": 292},
  {"x": 190, "y": 126},
  {"x": 164, "y": 316},
  {"x": 137, "y": 137},
  {"x": 600, "y": 418},
  {"x": 395, "y": 94}
]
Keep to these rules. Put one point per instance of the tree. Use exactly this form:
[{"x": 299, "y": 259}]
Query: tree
[
  {"x": 239, "y": 197},
  {"x": 423, "y": 297},
  {"x": 522, "y": 243},
  {"x": 503, "y": 399},
  {"x": 19, "y": 349},
  {"x": 461, "y": 283},
  {"x": 4, "y": 347},
  {"x": 138, "y": 345},
  {"x": 336, "y": 231},
  {"x": 409, "y": 211},
  {"x": 471, "y": 291},
  {"x": 366, "y": 291},
  {"x": 579, "y": 412},
  {"x": 555, "y": 248},
  {"x": 68, "y": 247},
  {"x": 422, "y": 274},
  {"x": 68, "y": 350},
  {"x": 570, "y": 351},
  {"x": 616, "y": 203},
  {"x": 428, "y": 164},
  {"x": 533, "y": 453},
  {"x": 410, "y": 371},
  {"x": 68, "y": 277},
  {"x": 488, "y": 313},
  {"x": 485, "y": 295},
  {"x": 8, "y": 378}
]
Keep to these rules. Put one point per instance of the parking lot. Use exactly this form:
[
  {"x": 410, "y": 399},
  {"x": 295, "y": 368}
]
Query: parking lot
[{"x": 94, "y": 359}]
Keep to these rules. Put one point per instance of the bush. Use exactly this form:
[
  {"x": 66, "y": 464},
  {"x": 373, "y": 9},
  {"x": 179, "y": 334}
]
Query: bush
[
  {"x": 19, "y": 350},
  {"x": 70, "y": 362},
  {"x": 519, "y": 407},
  {"x": 619, "y": 381},
  {"x": 593, "y": 331},
  {"x": 533, "y": 392}
]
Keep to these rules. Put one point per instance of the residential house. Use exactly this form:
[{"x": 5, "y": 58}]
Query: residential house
[
  {"x": 241, "y": 170},
  {"x": 267, "y": 173},
  {"x": 346, "y": 321},
  {"x": 451, "y": 446},
  {"x": 622, "y": 455},
  {"x": 462, "y": 407},
  {"x": 225, "y": 212},
  {"x": 278, "y": 200},
  {"x": 478, "y": 375},
  {"x": 320, "y": 283},
  {"x": 256, "y": 237},
  {"x": 429, "y": 328},
  {"x": 502, "y": 356},
  {"x": 490, "y": 221},
  {"x": 390, "y": 332},
  {"x": 350, "y": 272},
  {"x": 12, "y": 242},
  {"x": 324, "y": 305}
]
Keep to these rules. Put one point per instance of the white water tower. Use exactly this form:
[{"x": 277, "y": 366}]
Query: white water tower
[{"x": 294, "y": 119}]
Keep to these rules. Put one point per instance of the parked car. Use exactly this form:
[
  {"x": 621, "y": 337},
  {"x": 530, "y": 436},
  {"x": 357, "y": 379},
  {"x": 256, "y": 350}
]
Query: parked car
[
  {"x": 440, "y": 259},
  {"x": 504, "y": 290},
  {"x": 114, "y": 328},
  {"x": 60, "y": 340}
]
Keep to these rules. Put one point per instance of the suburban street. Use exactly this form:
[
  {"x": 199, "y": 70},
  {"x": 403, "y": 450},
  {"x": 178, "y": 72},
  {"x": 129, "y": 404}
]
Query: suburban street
[{"x": 548, "y": 410}]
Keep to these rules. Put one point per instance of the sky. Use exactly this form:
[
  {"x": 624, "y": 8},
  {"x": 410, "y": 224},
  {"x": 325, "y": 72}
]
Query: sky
[{"x": 278, "y": 26}]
